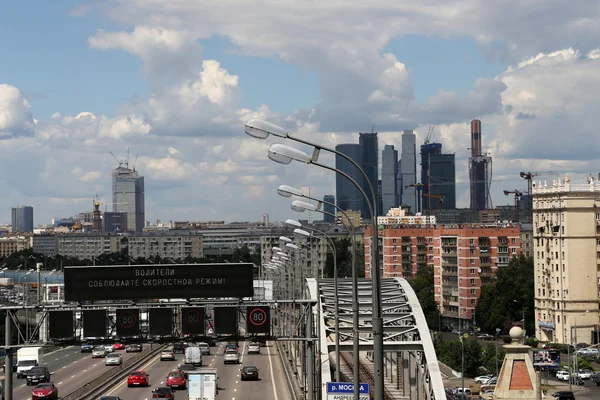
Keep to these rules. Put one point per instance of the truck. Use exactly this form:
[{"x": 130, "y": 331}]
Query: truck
[
  {"x": 202, "y": 384},
  {"x": 193, "y": 355},
  {"x": 7, "y": 282},
  {"x": 27, "y": 358}
]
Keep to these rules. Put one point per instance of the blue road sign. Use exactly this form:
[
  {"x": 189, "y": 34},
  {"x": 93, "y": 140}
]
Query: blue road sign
[{"x": 346, "y": 387}]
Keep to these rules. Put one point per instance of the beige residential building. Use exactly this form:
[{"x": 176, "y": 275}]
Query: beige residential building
[
  {"x": 566, "y": 229},
  {"x": 12, "y": 244}
]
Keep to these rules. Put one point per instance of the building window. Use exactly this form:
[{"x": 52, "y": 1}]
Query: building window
[
  {"x": 472, "y": 281},
  {"x": 472, "y": 261},
  {"x": 472, "y": 271},
  {"x": 514, "y": 241},
  {"x": 471, "y": 251},
  {"x": 473, "y": 291},
  {"x": 471, "y": 241}
]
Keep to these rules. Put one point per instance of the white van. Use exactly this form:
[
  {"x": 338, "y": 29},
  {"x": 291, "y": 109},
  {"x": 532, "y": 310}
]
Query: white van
[{"x": 193, "y": 355}]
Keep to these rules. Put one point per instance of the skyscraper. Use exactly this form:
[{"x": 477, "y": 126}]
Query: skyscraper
[
  {"x": 330, "y": 209},
  {"x": 409, "y": 170},
  {"x": 480, "y": 171},
  {"x": 389, "y": 178},
  {"x": 438, "y": 176},
  {"x": 22, "y": 219},
  {"x": 128, "y": 196},
  {"x": 400, "y": 187},
  {"x": 370, "y": 163},
  {"x": 348, "y": 196}
]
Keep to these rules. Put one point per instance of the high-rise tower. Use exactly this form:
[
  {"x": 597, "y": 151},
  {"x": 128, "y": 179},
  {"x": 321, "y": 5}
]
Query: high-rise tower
[
  {"x": 409, "y": 170},
  {"x": 22, "y": 219},
  {"x": 370, "y": 162},
  {"x": 128, "y": 196},
  {"x": 347, "y": 195},
  {"x": 480, "y": 171},
  {"x": 389, "y": 178}
]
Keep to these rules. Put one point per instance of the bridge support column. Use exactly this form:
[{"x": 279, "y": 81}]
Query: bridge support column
[
  {"x": 8, "y": 363},
  {"x": 310, "y": 356},
  {"x": 405, "y": 373}
]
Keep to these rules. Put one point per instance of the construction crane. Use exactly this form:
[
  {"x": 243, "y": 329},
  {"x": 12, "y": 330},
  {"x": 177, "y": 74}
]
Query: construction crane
[
  {"x": 528, "y": 176},
  {"x": 438, "y": 197},
  {"x": 429, "y": 134},
  {"x": 518, "y": 194}
]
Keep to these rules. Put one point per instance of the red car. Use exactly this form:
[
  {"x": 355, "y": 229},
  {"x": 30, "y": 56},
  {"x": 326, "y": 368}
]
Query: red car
[
  {"x": 176, "y": 380},
  {"x": 138, "y": 378},
  {"x": 119, "y": 346},
  {"x": 44, "y": 391}
]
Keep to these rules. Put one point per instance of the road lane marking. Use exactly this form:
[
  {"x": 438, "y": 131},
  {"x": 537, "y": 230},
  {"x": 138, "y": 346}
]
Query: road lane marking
[
  {"x": 84, "y": 370},
  {"x": 72, "y": 376},
  {"x": 22, "y": 385},
  {"x": 64, "y": 367},
  {"x": 271, "y": 369},
  {"x": 56, "y": 359},
  {"x": 235, "y": 390},
  {"x": 59, "y": 383}
]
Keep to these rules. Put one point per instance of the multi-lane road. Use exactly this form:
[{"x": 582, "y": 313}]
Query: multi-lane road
[
  {"x": 271, "y": 385},
  {"x": 70, "y": 369}
]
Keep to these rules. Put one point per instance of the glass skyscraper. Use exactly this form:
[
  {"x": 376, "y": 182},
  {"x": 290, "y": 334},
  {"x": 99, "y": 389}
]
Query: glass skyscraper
[
  {"x": 348, "y": 196},
  {"x": 409, "y": 171},
  {"x": 330, "y": 209},
  {"x": 128, "y": 197},
  {"x": 22, "y": 219},
  {"x": 370, "y": 164},
  {"x": 389, "y": 178}
]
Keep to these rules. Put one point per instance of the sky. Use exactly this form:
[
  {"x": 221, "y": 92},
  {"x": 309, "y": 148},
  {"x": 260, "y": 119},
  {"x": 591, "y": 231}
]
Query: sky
[{"x": 172, "y": 82}]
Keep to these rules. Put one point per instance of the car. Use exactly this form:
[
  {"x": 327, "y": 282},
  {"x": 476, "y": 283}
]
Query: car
[
  {"x": 230, "y": 346},
  {"x": 163, "y": 393},
  {"x": 562, "y": 375},
  {"x": 176, "y": 380},
  {"x": 87, "y": 348},
  {"x": 596, "y": 379},
  {"x": 491, "y": 382},
  {"x": 44, "y": 391},
  {"x": 167, "y": 354},
  {"x": 585, "y": 374},
  {"x": 119, "y": 346},
  {"x": 38, "y": 375},
  {"x": 576, "y": 380},
  {"x": 109, "y": 348},
  {"x": 99, "y": 352},
  {"x": 204, "y": 348},
  {"x": 485, "y": 336},
  {"x": 113, "y": 359},
  {"x": 563, "y": 395},
  {"x": 231, "y": 357},
  {"x": 253, "y": 348},
  {"x": 178, "y": 348},
  {"x": 483, "y": 378},
  {"x": 185, "y": 368},
  {"x": 138, "y": 378},
  {"x": 110, "y": 398},
  {"x": 133, "y": 348},
  {"x": 249, "y": 372}
]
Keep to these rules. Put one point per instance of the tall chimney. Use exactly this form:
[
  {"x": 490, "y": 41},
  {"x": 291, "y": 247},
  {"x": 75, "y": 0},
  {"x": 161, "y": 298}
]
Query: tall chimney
[{"x": 475, "y": 138}]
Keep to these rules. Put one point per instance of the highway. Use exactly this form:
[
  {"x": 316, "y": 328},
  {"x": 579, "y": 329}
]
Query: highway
[
  {"x": 270, "y": 387},
  {"x": 70, "y": 370}
]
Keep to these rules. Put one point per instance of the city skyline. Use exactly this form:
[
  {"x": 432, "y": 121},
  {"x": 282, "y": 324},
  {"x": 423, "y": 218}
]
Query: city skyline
[{"x": 84, "y": 80}]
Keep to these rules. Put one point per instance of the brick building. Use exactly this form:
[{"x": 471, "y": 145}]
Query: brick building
[{"x": 463, "y": 258}]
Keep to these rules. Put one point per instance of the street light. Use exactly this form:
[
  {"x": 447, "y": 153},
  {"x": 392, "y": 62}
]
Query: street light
[
  {"x": 523, "y": 314},
  {"x": 284, "y": 155}
]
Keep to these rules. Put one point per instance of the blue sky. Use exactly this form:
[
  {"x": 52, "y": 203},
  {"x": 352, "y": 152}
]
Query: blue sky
[{"x": 57, "y": 71}]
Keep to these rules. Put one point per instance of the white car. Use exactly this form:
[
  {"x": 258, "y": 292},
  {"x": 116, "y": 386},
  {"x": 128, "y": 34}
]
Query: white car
[
  {"x": 491, "y": 382},
  {"x": 99, "y": 352},
  {"x": 113, "y": 359},
  {"x": 585, "y": 374},
  {"x": 109, "y": 348},
  {"x": 562, "y": 375},
  {"x": 167, "y": 354},
  {"x": 231, "y": 357},
  {"x": 483, "y": 378},
  {"x": 254, "y": 348},
  {"x": 204, "y": 348}
]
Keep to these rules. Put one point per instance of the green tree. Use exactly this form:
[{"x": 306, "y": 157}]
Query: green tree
[
  {"x": 503, "y": 301},
  {"x": 245, "y": 254},
  {"x": 343, "y": 249},
  {"x": 450, "y": 353},
  {"x": 422, "y": 284},
  {"x": 492, "y": 356}
]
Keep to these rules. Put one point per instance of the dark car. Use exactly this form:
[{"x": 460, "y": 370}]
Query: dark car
[
  {"x": 133, "y": 348},
  {"x": 185, "y": 368},
  {"x": 178, "y": 348},
  {"x": 38, "y": 375},
  {"x": 249, "y": 373},
  {"x": 577, "y": 380},
  {"x": 87, "y": 348},
  {"x": 163, "y": 393},
  {"x": 564, "y": 395}
]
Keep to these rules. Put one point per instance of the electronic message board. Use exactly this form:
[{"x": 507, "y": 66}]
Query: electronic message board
[
  {"x": 94, "y": 323},
  {"x": 258, "y": 319},
  {"x": 226, "y": 320},
  {"x": 60, "y": 325},
  {"x": 161, "y": 321},
  {"x": 128, "y": 322},
  {"x": 136, "y": 282},
  {"x": 192, "y": 320}
]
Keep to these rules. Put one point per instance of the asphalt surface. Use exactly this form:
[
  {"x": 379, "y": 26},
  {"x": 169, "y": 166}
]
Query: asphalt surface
[
  {"x": 271, "y": 385},
  {"x": 70, "y": 369}
]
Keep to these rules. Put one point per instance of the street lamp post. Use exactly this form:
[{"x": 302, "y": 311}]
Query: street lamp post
[
  {"x": 284, "y": 155},
  {"x": 523, "y": 315}
]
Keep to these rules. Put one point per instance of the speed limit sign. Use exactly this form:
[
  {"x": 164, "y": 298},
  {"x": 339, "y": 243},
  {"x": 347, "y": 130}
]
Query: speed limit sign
[
  {"x": 127, "y": 321},
  {"x": 192, "y": 320},
  {"x": 258, "y": 319}
]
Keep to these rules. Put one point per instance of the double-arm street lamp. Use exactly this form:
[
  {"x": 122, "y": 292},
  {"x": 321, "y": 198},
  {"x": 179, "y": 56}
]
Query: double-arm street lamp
[{"x": 284, "y": 155}]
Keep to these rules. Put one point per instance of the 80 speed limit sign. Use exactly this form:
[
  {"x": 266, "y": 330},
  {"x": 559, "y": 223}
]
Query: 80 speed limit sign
[
  {"x": 192, "y": 320},
  {"x": 127, "y": 322},
  {"x": 258, "y": 319}
]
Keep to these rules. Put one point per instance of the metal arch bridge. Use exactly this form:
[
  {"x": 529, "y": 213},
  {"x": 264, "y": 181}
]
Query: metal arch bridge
[{"x": 407, "y": 339}]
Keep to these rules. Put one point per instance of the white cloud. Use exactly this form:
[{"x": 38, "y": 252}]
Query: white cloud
[{"x": 15, "y": 113}]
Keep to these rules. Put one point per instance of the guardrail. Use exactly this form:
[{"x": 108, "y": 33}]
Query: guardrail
[
  {"x": 292, "y": 383},
  {"x": 90, "y": 389},
  {"x": 365, "y": 374}
]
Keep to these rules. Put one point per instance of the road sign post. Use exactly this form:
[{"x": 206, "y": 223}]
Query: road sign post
[{"x": 345, "y": 391}]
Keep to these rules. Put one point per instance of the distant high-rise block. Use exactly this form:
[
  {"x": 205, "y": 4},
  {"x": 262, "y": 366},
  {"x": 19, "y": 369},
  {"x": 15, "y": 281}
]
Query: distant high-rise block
[
  {"x": 348, "y": 196},
  {"x": 329, "y": 208},
  {"x": 389, "y": 178},
  {"x": 370, "y": 164},
  {"x": 128, "y": 197},
  {"x": 22, "y": 219},
  {"x": 400, "y": 187},
  {"x": 438, "y": 177},
  {"x": 480, "y": 171},
  {"x": 409, "y": 171}
]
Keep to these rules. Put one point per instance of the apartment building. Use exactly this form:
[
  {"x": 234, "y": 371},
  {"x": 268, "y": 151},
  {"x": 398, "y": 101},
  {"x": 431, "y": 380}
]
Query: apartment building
[
  {"x": 463, "y": 258},
  {"x": 12, "y": 244},
  {"x": 566, "y": 229}
]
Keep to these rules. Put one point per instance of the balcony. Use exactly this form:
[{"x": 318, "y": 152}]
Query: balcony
[
  {"x": 485, "y": 272},
  {"x": 421, "y": 249},
  {"x": 406, "y": 240},
  {"x": 450, "y": 272},
  {"x": 406, "y": 249}
]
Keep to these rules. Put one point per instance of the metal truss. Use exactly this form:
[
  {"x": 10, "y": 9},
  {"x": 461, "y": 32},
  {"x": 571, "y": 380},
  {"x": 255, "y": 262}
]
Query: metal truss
[{"x": 405, "y": 329}]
